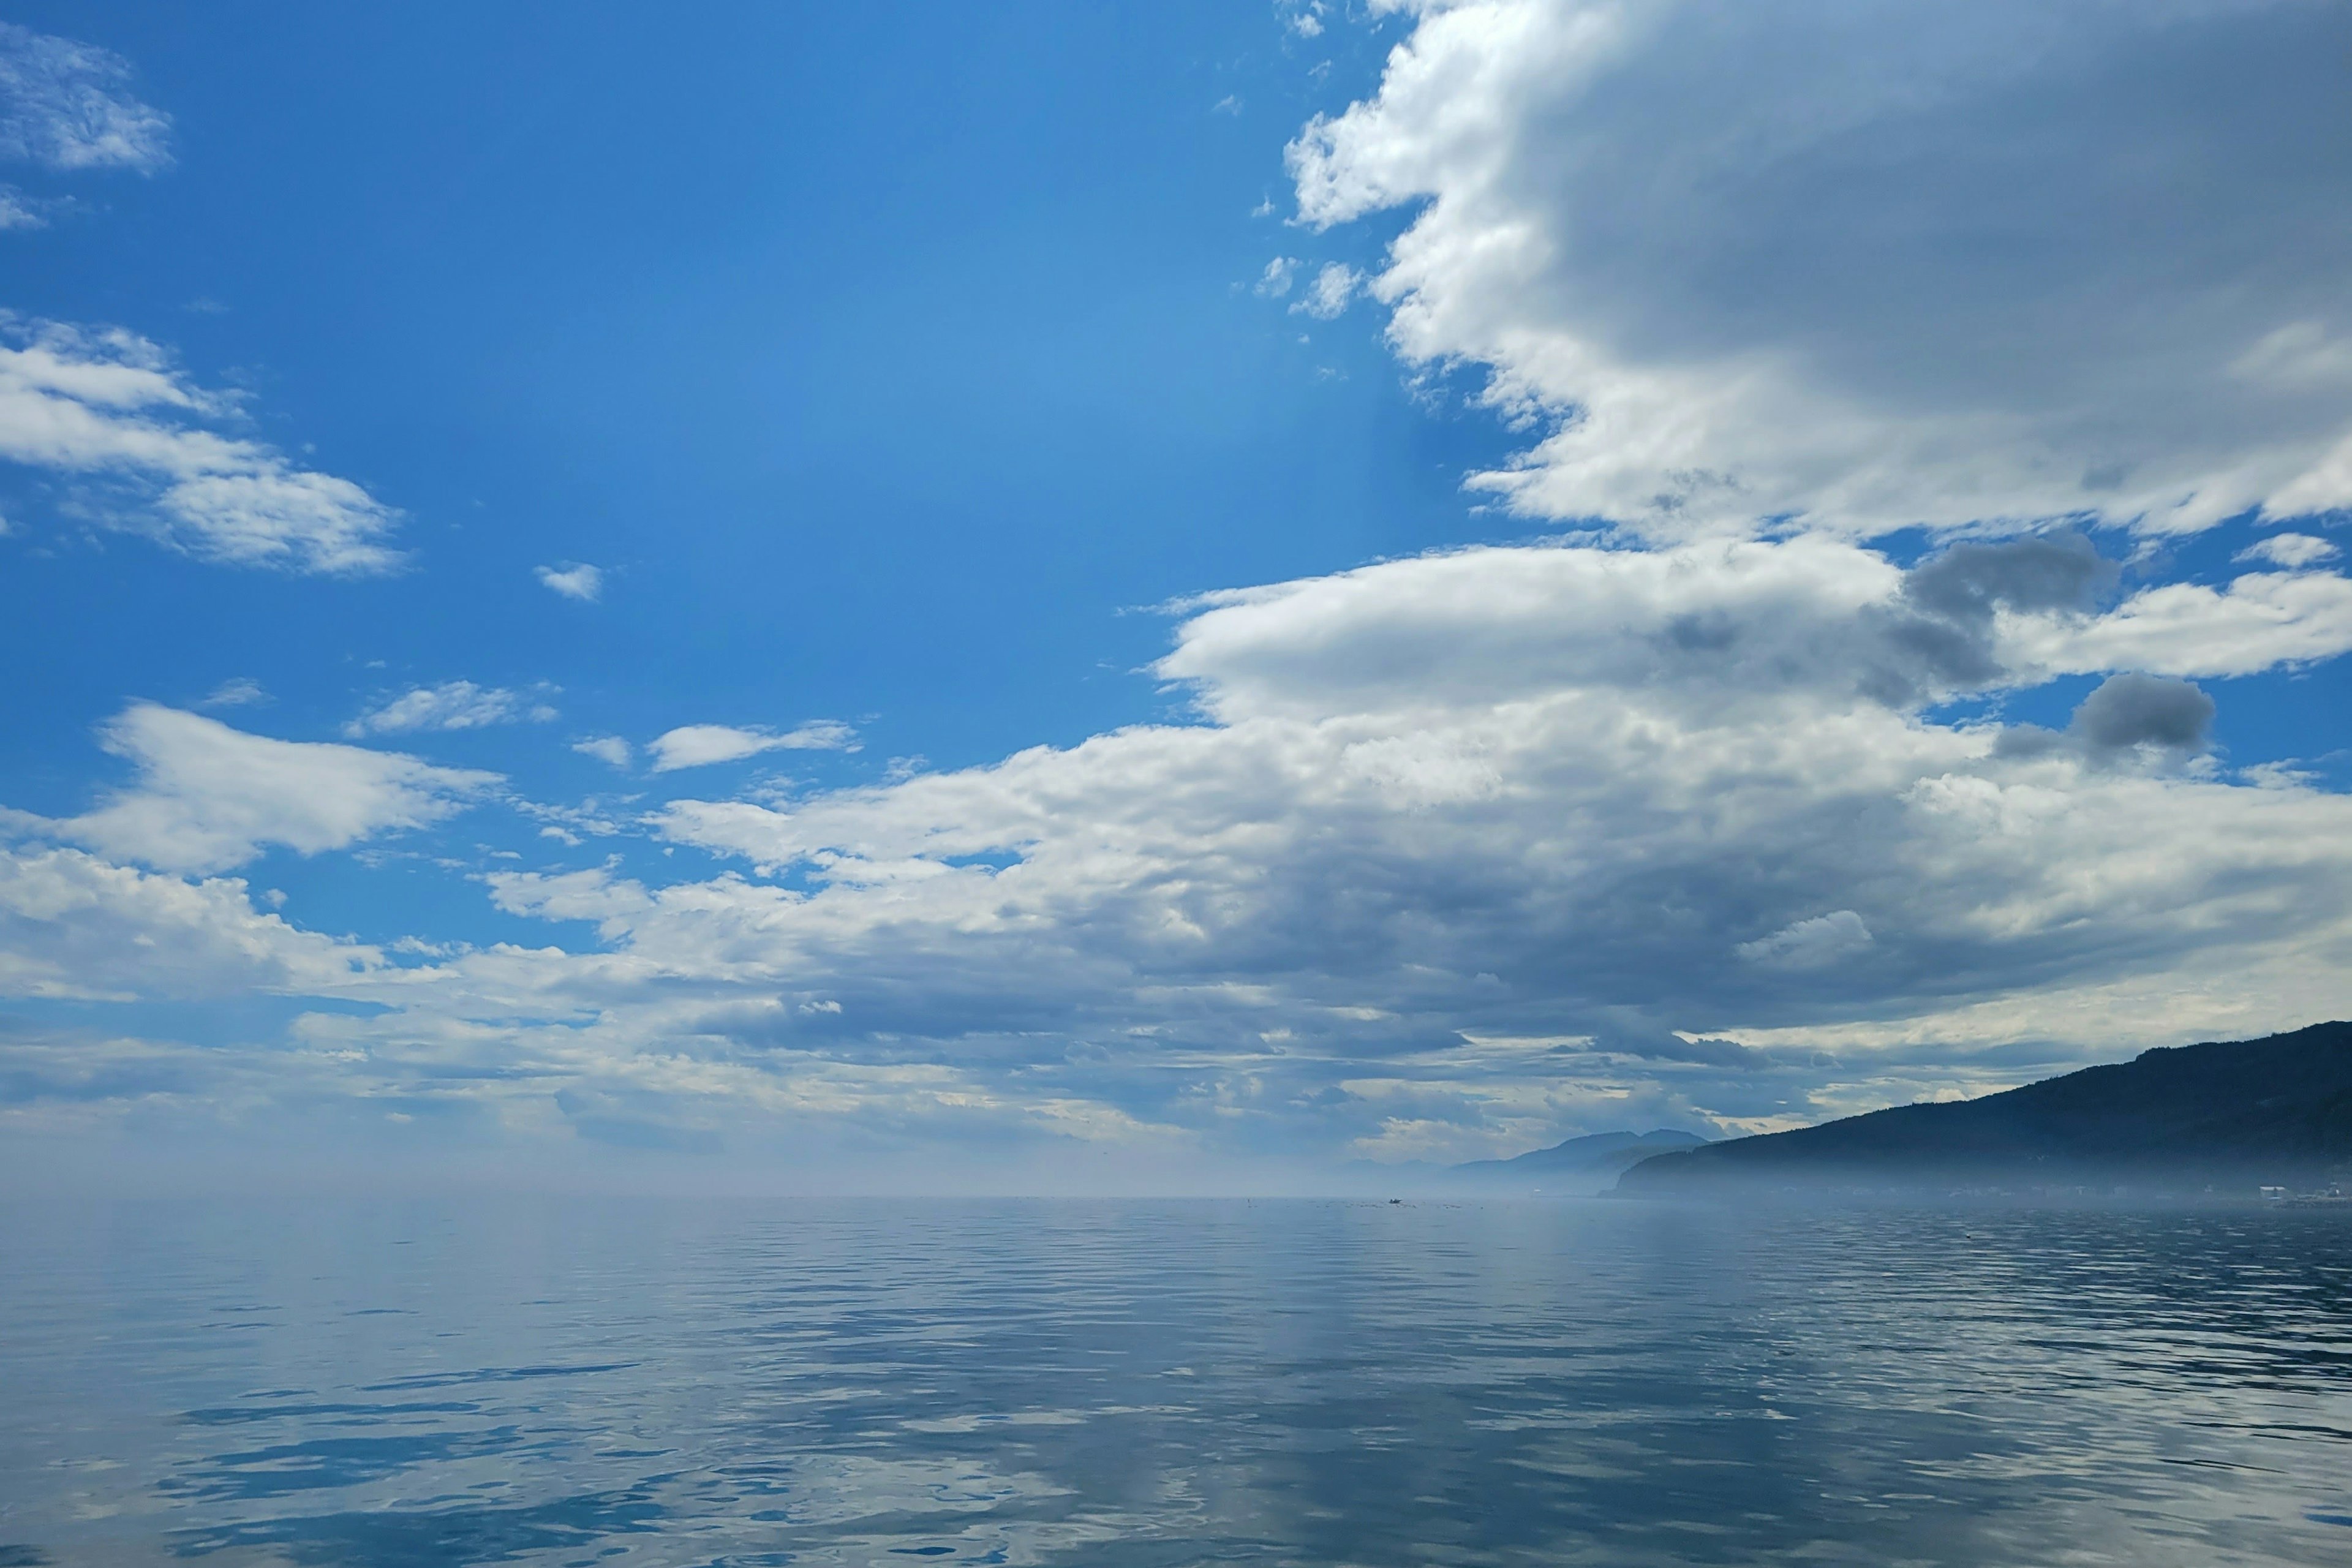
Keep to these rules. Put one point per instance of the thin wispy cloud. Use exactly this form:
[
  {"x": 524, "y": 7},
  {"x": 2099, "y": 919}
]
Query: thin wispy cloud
[
  {"x": 68, "y": 106},
  {"x": 699, "y": 745},
  {"x": 453, "y": 705},
  {"x": 1277, "y": 280},
  {"x": 241, "y": 692},
  {"x": 1328, "y": 295},
  {"x": 149, "y": 451},
  {"x": 19, "y": 211}
]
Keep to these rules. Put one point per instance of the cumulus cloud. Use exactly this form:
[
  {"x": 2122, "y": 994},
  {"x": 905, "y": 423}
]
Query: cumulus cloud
[
  {"x": 208, "y": 797},
  {"x": 610, "y": 750},
  {"x": 109, "y": 408},
  {"x": 575, "y": 580},
  {"x": 2132, "y": 710},
  {"x": 1275, "y": 280},
  {"x": 2292, "y": 550},
  {"x": 1870, "y": 267},
  {"x": 2129, "y": 718},
  {"x": 68, "y": 106},
  {"x": 696, "y": 745},
  {"x": 451, "y": 705},
  {"x": 75, "y": 926}
]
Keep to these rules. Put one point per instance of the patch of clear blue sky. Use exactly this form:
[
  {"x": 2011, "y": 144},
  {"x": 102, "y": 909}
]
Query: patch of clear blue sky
[
  {"x": 883, "y": 355},
  {"x": 886, "y": 357}
]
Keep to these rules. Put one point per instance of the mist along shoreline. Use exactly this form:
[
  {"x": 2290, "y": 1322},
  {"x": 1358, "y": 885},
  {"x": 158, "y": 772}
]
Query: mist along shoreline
[{"x": 2121, "y": 1196}]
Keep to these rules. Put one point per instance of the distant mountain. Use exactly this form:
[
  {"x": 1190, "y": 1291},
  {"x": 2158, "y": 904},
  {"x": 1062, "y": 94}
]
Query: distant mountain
[
  {"x": 2232, "y": 1115},
  {"x": 1579, "y": 1166}
]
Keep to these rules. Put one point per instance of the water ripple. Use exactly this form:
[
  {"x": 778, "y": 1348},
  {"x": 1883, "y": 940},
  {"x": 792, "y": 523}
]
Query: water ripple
[{"x": 1133, "y": 1384}]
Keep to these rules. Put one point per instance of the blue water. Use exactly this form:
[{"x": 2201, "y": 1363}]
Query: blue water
[{"x": 578, "y": 1383}]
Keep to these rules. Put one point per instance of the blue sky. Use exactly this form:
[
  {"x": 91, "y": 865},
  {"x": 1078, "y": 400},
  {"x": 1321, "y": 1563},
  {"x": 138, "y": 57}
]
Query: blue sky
[
  {"x": 1557, "y": 572},
  {"x": 893, "y": 393},
  {"x": 909, "y": 381}
]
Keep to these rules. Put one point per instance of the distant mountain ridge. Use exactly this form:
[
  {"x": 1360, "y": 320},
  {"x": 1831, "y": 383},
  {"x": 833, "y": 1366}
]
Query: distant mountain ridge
[
  {"x": 1585, "y": 1164},
  {"x": 2228, "y": 1114}
]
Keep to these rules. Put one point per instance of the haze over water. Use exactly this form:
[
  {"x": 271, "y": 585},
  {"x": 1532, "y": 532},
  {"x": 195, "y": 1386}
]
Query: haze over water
[{"x": 1166, "y": 1383}]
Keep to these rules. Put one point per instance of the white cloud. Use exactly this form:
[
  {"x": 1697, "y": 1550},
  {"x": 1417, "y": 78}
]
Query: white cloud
[
  {"x": 208, "y": 797},
  {"x": 67, "y": 105},
  {"x": 72, "y": 925},
  {"x": 1808, "y": 612},
  {"x": 574, "y": 824},
  {"x": 695, "y": 745},
  {"x": 107, "y": 405},
  {"x": 240, "y": 692},
  {"x": 2298, "y": 356},
  {"x": 451, "y": 705},
  {"x": 610, "y": 750},
  {"x": 1824, "y": 939},
  {"x": 2292, "y": 550},
  {"x": 584, "y": 583},
  {"x": 19, "y": 211},
  {"x": 1277, "y": 277},
  {"x": 1874, "y": 266},
  {"x": 1329, "y": 294},
  {"x": 2258, "y": 621}
]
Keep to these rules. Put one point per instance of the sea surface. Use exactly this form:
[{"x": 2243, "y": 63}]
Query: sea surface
[{"x": 1127, "y": 1383}]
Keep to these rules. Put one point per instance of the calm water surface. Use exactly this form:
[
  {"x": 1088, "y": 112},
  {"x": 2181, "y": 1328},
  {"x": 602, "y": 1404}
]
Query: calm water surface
[{"x": 1170, "y": 1382}]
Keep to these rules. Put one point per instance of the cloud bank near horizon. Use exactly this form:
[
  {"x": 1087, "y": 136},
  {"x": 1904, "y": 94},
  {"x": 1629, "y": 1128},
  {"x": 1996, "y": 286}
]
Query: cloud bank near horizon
[{"x": 1464, "y": 849}]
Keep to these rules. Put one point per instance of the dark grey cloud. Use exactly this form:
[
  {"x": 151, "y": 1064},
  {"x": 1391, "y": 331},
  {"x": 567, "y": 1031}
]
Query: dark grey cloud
[
  {"x": 2132, "y": 709},
  {"x": 2127, "y": 716},
  {"x": 1940, "y": 639},
  {"x": 1969, "y": 582}
]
